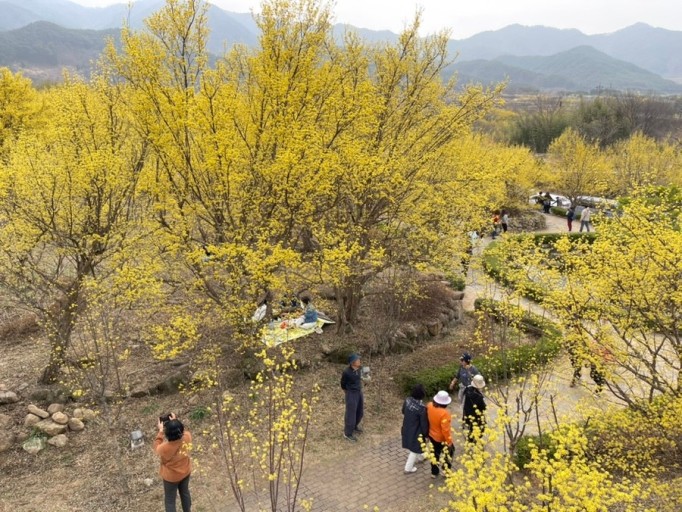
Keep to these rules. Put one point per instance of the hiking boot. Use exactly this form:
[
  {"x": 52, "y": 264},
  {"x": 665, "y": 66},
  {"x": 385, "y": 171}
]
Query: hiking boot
[
  {"x": 350, "y": 438},
  {"x": 359, "y": 430}
]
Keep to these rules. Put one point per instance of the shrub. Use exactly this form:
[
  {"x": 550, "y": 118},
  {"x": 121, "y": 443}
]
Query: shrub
[
  {"x": 199, "y": 413},
  {"x": 524, "y": 448},
  {"x": 500, "y": 365},
  {"x": 494, "y": 267}
]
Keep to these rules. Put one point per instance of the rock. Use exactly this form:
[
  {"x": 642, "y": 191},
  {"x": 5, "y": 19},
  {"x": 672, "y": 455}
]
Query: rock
[
  {"x": 22, "y": 436},
  {"x": 148, "y": 482},
  {"x": 60, "y": 417},
  {"x": 50, "y": 427},
  {"x": 23, "y": 386},
  {"x": 3, "y": 386},
  {"x": 458, "y": 295},
  {"x": 8, "y": 397},
  {"x": 76, "y": 425},
  {"x": 33, "y": 445},
  {"x": 89, "y": 415},
  {"x": 59, "y": 441},
  {"x": 78, "y": 413},
  {"x": 5, "y": 421},
  {"x": 38, "y": 411},
  {"x": 410, "y": 331},
  {"x": 39, "y": 395},
  {"x": 459, "y": 312},
  {"x": 325, "y": 348},
  {"x": 55, "y": 408},
  {"x": 434, "y": 328},
  {"x": 139, "y": 392},
  {"x": 173, "y": 382},
  {"x": 31, "y": 420},
  {"x": 6, "y": 441}
]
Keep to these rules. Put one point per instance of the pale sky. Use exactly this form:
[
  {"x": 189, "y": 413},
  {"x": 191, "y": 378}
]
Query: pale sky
[{"x": 468, "y": 17}]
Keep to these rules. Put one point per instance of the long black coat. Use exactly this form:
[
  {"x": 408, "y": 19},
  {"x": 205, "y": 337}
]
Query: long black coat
[
  {"x": 415, "y": 423},
  {"x": 474, "y": 406}
]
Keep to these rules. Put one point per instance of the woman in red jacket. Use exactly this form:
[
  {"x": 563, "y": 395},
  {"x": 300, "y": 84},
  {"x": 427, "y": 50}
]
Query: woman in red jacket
[{"x": 176, "y": 466}]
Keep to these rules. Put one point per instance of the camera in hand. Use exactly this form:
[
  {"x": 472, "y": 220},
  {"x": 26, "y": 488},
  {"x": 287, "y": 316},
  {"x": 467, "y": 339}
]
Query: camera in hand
[{"x": 165, "y": 418}]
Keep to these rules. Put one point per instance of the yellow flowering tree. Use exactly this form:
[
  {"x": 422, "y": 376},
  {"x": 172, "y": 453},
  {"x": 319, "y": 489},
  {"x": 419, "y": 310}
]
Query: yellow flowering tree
[
  {"x": 66, "y": 206},
  {"x": 580, "y": 169},
  {"x": 621, "y": 302}
]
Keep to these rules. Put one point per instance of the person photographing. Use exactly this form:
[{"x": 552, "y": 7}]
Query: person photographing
[{"x": 172, "y": 445}]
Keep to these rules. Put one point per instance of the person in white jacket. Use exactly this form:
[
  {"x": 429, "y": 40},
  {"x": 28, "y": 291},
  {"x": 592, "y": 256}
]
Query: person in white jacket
[{"x": 585, "y": 216}]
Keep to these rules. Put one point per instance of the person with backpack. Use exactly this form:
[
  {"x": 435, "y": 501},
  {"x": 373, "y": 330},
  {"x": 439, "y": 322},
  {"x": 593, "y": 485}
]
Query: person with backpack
[{"x": 570, "y": 215}]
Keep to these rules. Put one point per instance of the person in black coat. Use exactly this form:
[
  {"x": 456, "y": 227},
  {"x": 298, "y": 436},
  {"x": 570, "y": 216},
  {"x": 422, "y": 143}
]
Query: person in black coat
[
  {"x": 415, "y": 426},
  {"x": 474, "y": 408}
]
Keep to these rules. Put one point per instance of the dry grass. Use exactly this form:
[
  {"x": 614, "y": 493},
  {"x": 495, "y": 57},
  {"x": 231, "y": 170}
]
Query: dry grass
[{"x": 97, "y": 471}]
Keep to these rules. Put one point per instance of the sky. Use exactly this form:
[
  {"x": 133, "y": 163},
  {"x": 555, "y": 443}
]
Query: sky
[{"x": 467, "y": 17}]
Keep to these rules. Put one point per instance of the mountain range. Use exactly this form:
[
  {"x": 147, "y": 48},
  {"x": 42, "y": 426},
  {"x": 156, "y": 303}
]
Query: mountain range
[{"x": 39, "y": 37}]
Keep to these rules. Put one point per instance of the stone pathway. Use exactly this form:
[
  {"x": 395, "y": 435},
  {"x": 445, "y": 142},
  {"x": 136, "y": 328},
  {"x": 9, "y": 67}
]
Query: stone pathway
[{"x": 370, "y": 473}]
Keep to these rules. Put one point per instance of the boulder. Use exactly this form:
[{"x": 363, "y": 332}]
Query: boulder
[
  {"x": 457, "y": 295},
  {"x": 434, "y": 328},
  {"x": 139, "y": 392},
  {"x": 55, "y": 408},
  {"x": 78, "y": 413},
  {"x": 8, "y": 397},
  {"x": 31, "y": 420},
  {"x": 33, "y": 445},
  {"x": 60, "y": 417},
  {"x": 38, "y": 411},
  {"x": 50, "y": 427},
  {"x": 410, "y": 331},
  {"x": 76, "y": 425},
  {"x": 6, "y": 441},
  {"x": 59, "y": 441},
  {"x": 5, "y": 421},
  {"x": 88, "y": 415}
]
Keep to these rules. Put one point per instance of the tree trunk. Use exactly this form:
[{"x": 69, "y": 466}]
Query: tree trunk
[
  {"x": 348, "y": 299},
  {"x": 60, "y": 319}
]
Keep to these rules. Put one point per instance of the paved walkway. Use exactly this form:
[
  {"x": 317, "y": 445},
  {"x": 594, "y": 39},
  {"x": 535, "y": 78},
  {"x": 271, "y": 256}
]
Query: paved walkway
[{"x": 370, "y": 473}]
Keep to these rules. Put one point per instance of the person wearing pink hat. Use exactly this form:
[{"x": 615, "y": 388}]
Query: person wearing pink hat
[{"x": 440, "y": 433}]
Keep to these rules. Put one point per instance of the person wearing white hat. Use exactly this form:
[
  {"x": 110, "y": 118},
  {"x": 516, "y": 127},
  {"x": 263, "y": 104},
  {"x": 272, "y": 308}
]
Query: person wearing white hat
[
  {"x": 440, "y": 430},
  {"x": 474, "y": 408}
]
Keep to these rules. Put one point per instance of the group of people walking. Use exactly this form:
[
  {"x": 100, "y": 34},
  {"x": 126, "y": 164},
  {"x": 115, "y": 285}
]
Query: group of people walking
[
  {"x": 431, "y": 424},
  {"x": 424, "y": 425}
]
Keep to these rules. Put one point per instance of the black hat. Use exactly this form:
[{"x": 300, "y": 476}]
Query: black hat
[{"x": 466, "y": 357}]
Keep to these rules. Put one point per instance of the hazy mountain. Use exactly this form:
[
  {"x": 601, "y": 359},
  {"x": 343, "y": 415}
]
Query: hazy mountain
[
  {"x": 580, "y": 69},
  {"x": 41, "y": 50},
  {"x": 656, "y": 50}
]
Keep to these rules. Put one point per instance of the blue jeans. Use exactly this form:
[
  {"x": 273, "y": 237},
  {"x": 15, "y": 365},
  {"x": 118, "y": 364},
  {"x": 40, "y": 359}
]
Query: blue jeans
[{"x": 170, "y": 491}]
